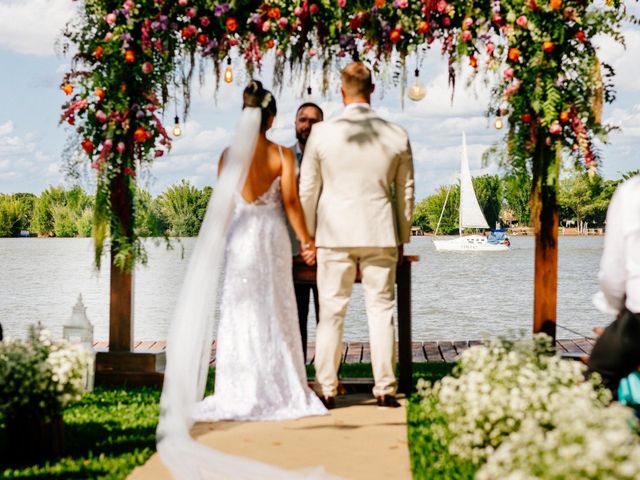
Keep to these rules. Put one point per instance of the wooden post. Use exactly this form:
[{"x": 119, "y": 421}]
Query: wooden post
[
  {"x": 405, "y": 358},
  {"x": 545, "y": 215}
]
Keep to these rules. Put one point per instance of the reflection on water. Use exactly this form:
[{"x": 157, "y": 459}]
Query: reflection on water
[{"x": 455, "y": 295}]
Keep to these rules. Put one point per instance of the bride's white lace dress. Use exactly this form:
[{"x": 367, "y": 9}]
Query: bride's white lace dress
[{"x": 260, "y": 372}]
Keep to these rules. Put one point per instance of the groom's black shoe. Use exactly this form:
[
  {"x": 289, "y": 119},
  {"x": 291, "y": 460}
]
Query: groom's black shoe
[
  {"x": 388, "y": 401},
  {"x": 328, "y": 402}
]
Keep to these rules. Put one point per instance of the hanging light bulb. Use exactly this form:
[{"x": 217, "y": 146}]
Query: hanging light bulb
[
  {"x": 417, "y": 91},
  {"x": 499, "y": 123},
  {"x": 177, "y": 131},
  {"x": 228, "y": 73},
  {"x": 309, "y": 91}
]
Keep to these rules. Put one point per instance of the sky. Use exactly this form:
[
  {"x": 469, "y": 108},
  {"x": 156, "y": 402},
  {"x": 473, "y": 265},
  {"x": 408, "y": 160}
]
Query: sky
[{"x": 32, "y": 142}]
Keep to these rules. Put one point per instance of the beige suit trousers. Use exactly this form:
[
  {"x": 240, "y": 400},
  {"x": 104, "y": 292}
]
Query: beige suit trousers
[{"x": 337, "y": 269}]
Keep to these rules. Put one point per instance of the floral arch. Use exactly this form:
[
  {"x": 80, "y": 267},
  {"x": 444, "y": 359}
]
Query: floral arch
[{"x": 134, "y": 56}]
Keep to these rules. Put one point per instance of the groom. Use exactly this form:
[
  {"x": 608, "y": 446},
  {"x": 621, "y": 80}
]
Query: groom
[{"x": 356, "y": 189}]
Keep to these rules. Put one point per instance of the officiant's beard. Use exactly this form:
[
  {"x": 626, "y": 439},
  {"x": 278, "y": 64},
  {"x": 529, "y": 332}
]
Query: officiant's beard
[{"x": 302, "y": 137}]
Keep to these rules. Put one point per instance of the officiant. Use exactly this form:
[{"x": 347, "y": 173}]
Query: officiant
[{"x": 307, "y": 115}]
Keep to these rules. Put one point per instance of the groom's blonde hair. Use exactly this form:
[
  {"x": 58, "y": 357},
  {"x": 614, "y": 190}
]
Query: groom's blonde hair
[{"x": 356, "y": 80}]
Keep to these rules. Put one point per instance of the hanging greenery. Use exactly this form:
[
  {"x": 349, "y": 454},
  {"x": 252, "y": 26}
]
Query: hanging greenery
[{"x": 132, "y": 55}]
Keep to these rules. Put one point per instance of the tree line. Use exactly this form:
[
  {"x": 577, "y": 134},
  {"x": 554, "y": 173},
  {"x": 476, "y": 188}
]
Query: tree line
[
  {"x": 68, "y": 212},
  {"x": 583, "y": 201},
  {"x": 179, "y": 211}
]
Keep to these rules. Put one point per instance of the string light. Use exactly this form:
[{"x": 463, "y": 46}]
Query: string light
[
  {"x": 228, "y": 73},
  {"x": 499, "y": 123},
  {"x": 177, "y": 131},
  {"x": 417, "y": 91}
]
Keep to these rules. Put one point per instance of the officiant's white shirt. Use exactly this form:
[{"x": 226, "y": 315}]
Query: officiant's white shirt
[{"x": 620, "y": 264}]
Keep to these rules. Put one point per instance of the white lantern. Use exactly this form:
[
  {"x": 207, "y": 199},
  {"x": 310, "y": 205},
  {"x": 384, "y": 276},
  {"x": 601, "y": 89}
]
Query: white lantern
[
  {"x": 417, "y": 91},
  {"x": 79, "y": 330}
]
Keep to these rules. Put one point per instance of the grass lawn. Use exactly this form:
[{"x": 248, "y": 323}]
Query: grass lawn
[{"x": 111, "y": 431}]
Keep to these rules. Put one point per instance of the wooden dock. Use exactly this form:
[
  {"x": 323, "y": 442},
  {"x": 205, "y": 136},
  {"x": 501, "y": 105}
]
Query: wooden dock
[{"x": 359, "y": 352}]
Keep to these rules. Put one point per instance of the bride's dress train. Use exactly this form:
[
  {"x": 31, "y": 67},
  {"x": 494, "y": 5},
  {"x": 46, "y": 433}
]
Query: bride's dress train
[{"x": 260, "y": 372}]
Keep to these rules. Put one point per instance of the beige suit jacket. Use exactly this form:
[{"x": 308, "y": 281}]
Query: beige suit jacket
[{"x": 356, "y": 181}]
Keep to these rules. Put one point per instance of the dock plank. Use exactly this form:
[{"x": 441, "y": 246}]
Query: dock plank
[
  {"x": 417, "y": 352},
  {"x": 447, "y": 351},
  {"x": 584, "y": 345},
  {"x": 432, "y": 352},
  {"x": 570, "y": 346},
  {"x": 366, "y": 353},
  {"x": 354, "y": 352},
  {"x": 460, "y": 346}
]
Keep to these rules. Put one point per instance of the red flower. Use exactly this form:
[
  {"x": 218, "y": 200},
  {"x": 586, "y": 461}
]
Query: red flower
[
  {"x": 395, "y": 35},
  {"x": 548, "y": 47},
  {"x": 129, "y": 56},
  {"x": 140, "y": 135},
  {"x": 473, "y": 61},
  {"x": 269, "y": 43},
  {"x": 98, "y": 52},
  {"x": 581, "y": 36},
  {"x": 202, "y": 39},
  {"x": 87, "y": 145},
  {"x": 188, "y": 32},
  {"x": 314, "y": 9},
  {"x": 129, "y": 171},
  {"x": 514, "y": 54},
  {"x": 526, "y": 118},
  {"x": 423, "y": 27},
  {"x": 231, "y": 24}
]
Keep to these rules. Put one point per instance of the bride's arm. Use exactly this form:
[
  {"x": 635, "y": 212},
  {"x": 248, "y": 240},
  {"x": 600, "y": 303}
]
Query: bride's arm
[
  {"x": 291, "y": 200},
  {"x": 221, "y": 161}
]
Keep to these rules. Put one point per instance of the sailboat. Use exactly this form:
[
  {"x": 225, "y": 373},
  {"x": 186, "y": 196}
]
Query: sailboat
[{"x": 471, "y": 216}]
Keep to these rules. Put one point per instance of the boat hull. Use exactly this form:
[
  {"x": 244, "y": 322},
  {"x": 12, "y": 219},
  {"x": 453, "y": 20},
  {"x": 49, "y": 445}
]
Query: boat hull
[{"x": 469, "y": 243}]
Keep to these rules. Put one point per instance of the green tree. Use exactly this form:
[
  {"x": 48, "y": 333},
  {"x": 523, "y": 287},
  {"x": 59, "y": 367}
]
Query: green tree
[
  {"x": 149, "y": 220},
  {"x": 517, "y": 191},
  {"x": 584, "y": 198},
  {"x": 427, "y": 212},
  {"x": 56, "y": 211},
  {"x": 488, "y": 190},
  {"x": 182, "y": 208},
  {"x": 12, "y": 215}
]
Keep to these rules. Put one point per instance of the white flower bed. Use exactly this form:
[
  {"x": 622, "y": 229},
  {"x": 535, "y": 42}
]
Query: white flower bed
[{"x": 505, "y": 387}]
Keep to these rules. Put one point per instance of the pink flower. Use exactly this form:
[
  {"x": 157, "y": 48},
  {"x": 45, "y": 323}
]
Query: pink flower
[
  {"x": 191, "y": 12},
  {"x": 121, "y": 147},
  {"x": 298, "y": 11},
  {"x": 314, "y": 9},
  {"x": 205, "y": 22},
  {"x": 508, "y": 72},
  {"x": 446, "y": 21},
  {"x": 401, "y": 3},
  {"x": 183, "y": 3},
  {"x": 467, "y": 22},
  {"x": 466, "y": 36},
  {"x": 266, "y": 26},
  {"x": 110, "y": 18},
  {"x": 107, "y": 144},
  {"x": 555, "y": 128},
  {"x": 147, "y": 67},
  {"x": 490, "y": 47},
  {"x": 158, "y": 153},
  {"x": 441, "y": 6},
  {"x": 521, "y": 21},
  {"x": 312, "y": 52},
  {"x": 342, "y": 3},
  {"x": 101, "y": 116},
  {"x": 108, "y": 36},
  {"x": 283, "y": 22},
  {"x": 233, "y": 42},
  {"x": 128, "y": 5}
]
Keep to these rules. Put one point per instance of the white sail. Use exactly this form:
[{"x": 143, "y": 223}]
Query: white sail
[{"x": 471, "y": 215}]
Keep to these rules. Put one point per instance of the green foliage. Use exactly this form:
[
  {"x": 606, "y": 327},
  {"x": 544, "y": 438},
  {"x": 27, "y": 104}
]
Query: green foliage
[
  {"x": 107, "y": 434},
  {"x": 57, "y": 211},
  {"x": 489, "y": 191},
  {"x": 13, "y": 215},
  {"x": 517, "y": 192},
  {"x": 428, "y": 211},
  {"x": 182, "y": 208},
  {"x": 585, "y": 198}
]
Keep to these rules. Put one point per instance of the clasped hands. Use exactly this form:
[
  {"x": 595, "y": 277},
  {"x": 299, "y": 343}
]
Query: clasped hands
[{"x": 308, "y": 252}]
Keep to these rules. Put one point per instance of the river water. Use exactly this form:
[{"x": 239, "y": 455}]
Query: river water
[{"x": 456, "y": 296}]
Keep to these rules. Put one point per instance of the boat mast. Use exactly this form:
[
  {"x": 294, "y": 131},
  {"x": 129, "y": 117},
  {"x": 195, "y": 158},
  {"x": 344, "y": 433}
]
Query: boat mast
[{"x": 442, "y": 211}]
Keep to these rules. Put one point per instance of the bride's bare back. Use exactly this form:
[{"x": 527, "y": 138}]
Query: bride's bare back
[{"x": 266, "y": 166}]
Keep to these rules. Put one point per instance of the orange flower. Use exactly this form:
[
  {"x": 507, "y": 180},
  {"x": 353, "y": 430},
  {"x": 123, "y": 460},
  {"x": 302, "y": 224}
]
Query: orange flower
[
  {"x": 555, "y": 4},
  {"x": 202, "y": 39},
  {"x": 473, "y": 61},
  {"x": 395, "y": 36},
  {"x": 140, "y": 135},
  {"x": 129, "y": 56},
  {"x": 98, "y": 52},
  {"x": 564, "y": 116},
  {"x": 99, "y": 93},
  {"x": 123, "y": 87},
  {"x": 514, "y": 54},
  {"x": 581, "y": 36},
  {"x": 269, "y": 43},
  {"x": 423, "y": 27},
  {"x": 87, "y": 145},
  {"x": 380, "y": 3},
  {"x": 274, "y": 13},
  {"x": 548, "y": 47},
  {"x": 231, "y": 24},
  {"x": 67, "y": 88}
]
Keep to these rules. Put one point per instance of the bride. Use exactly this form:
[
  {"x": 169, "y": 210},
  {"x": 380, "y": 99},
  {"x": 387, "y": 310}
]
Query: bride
[{"x": 260, "y": 372}]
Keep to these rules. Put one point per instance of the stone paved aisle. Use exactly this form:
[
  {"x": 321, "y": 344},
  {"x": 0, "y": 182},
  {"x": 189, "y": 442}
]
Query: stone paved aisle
[{"x": 357, "y": 440}]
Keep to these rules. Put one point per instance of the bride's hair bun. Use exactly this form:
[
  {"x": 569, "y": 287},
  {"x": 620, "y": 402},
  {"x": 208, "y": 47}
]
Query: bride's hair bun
[{"x": 256, "y": 96}]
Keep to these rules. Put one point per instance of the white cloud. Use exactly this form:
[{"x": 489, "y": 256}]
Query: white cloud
[
  {"x": 623, "y": 60},
  {"x": 33, "y": 26}
]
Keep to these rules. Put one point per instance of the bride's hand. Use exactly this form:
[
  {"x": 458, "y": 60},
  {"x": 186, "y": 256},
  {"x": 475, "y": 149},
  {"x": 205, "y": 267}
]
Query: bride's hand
[{"x": 308, "y": 252}]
